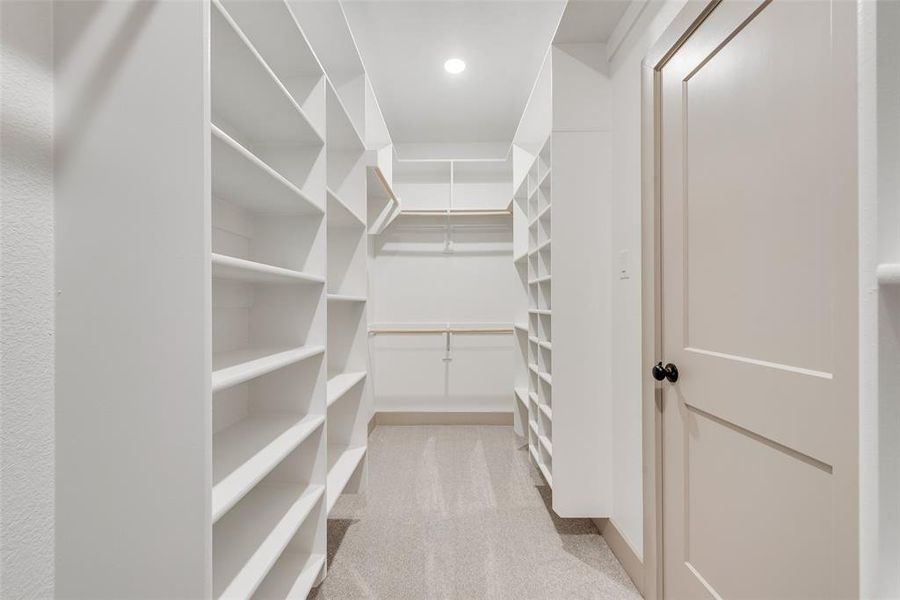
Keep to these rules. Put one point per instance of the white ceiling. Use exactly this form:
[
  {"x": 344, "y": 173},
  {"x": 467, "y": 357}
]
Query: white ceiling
[{"x": 404, "y": 45}]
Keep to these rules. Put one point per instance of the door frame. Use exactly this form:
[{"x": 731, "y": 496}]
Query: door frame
[{"x": 679, "y": 30}]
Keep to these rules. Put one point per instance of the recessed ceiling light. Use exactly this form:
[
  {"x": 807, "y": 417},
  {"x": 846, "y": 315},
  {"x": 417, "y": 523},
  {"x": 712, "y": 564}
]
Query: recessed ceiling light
[{"x": 455, "y": 66}]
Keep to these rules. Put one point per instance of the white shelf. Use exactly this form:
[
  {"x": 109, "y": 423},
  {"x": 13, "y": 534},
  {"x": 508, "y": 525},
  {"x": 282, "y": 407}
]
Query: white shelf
[
  {"x": 345, "y": 298},
  {"x": 293, "y": 576},
  {"x": 521, "y": 257},
  {"x": 533, "y": 367},
  {"x": 533, "y": 397},
  {"x": 247, "y": 94},
  {"x": 540, "y": 247},
  {"x": 534, "y": 454},
  {"x": 239, "y": 269},
  {"x": 533, "y": 339},
  {"x": 339, "y": 385},
  {"x": 545, "y": 212},
  {"x": 540, "y": 311},
  {"x": 233, "y": 368},
  {"x": 522, "y": 396},
  {"x": 341, "y": 130},
  {"x": 888, "y": 274},
  {"x": 249, "y": 540},
  {"x": 546, "y": 377},
  {"x": 521, "y": 327},
  {"x": 248, "y": 451},
  {"x": 546, "y": 473},
  {"x": 548, "y": 412},
  {"x": 241, "y": 178},
  {"x": 545, "y": 441},
  {"x": 545, "y": 180},
  {"x": 339, "y": 214},
  {"x": 539, "y": 280},
  {"x": 533, "y": 427},
  {"x": 546, "y": 345},
  {"x": 342, "y": 462}
]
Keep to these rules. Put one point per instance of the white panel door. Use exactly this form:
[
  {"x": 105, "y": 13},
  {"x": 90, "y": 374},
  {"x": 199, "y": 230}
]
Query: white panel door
[{"x": 759, "y": 255}]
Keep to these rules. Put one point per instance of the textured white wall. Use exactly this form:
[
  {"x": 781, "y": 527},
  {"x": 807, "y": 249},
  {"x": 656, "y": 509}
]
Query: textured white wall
[
  {"x": 627, "y": 370},
  {"x": 26, "y": 301}
]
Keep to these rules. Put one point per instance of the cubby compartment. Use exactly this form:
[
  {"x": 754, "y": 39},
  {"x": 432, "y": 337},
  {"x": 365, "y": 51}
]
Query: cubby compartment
[
  {"x": 346, "y": 260},
  {"x": 250, "y": 537},
  {"x": 346, "y": 158}
]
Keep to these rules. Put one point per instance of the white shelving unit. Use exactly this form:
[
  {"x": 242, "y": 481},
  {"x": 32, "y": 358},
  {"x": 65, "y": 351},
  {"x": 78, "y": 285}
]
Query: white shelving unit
[
  {"x": 287, "y": 181},
  {"x": 348, "y": 407},
  {"x": 558, "y": 165}
]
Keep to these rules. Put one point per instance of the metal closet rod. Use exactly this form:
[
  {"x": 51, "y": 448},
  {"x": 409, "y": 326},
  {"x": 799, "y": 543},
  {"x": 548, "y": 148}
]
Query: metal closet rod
[
  {"x": 460, "y": 212},
  {"x": 440, "y": 330}
]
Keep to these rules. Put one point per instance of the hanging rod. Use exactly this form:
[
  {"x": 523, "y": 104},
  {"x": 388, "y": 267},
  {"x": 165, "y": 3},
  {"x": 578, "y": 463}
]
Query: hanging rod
[
  {"x": 440, "y": 330},
  {"x": 467, "y": 212}
]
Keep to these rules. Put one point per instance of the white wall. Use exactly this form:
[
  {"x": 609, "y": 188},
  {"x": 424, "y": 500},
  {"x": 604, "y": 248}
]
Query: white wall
[
  {"x": 641, "y": 27},
  {"x": 415, "y": 282},
  {"x": 27, "y": 466}
]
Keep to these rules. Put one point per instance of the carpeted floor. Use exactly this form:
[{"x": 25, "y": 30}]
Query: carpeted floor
[{"x": 460, "y": 513}]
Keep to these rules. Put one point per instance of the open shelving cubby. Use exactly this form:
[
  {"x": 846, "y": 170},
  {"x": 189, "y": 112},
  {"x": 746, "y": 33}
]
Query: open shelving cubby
[
  {"x": 537, "y": 215},
  {"x": 347, "y": 405},
  {"x": 268, "y": 269},
  {"x": 521, "y": 388}
]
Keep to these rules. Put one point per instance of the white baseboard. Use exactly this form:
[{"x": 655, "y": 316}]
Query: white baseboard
[{"x": 623, "y": 551}]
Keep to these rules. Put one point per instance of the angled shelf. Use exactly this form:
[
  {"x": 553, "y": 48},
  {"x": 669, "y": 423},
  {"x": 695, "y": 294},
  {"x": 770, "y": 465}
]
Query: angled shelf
[
  {"x": 546, "y": 377},
  {"x": 233, "y": 368},
  {"x": 548, "y": 412},
  {"x": 249, "y": 450},
  {"x": 247, "y": 94},
  {"x": 339, "y": 214},
  {"x": 346, "y": 298},
  {"x": 338, "y": 385},
  {"x": 544, "y": 471},
  {"x": 522, "y": 396},
  {"x": 521, "y": 327},
  {"x": 888, "y": 274},
  {"x": 545, "y": 441},
  {"x": 342, "y": 462},
  {"x": 540, "y": 247},
  {"x": 243, "y": 179},
  {"x": 248, "y": 541},
  {"x": 293, "y": 576},
  {"x": 239, "y": 269}
]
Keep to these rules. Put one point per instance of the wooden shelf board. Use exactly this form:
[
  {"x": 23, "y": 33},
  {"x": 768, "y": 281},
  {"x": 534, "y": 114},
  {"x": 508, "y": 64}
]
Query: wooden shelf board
[
  {"x": 243, "y": 179},
  {"x": 888, "y": 274},
  {"x": 341, "y": 132},
  {"x": 540, "y": 247},
  {"x": 249, "y": 450},
  {"x": 239, "y": 269},
  {"x": 548, "y": 412},
  {"x": 345, "y": 298},
  {"x": 522, "y": 396},
  {"x": 292, "y": 576},
  {"x": 544, "y": 213},
  {"x": 340, "y": 214},
  {"x": 545, "y": 441},
  {"x": 246, "y": 92},
  {"x": 342, "y": 462},
  {"x": 340, "y": 384},
  {"x": 249, "y": 540},
  {"x": 233, "y": 368},
  {"x": 546, "y": 473}
]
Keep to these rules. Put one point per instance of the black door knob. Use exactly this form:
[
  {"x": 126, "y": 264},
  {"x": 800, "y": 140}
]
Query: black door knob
[{"x": 661, "y": 372}]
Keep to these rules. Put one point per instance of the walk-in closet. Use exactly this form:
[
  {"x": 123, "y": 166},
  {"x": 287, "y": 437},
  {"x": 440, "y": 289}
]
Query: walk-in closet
[{"x": 336, "y": 301}]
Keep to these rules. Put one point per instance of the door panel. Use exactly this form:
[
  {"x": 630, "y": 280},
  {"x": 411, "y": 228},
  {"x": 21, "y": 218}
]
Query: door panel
[{"x": 758, "y": 294}]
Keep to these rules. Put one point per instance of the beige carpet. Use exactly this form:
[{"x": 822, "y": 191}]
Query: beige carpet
[{"x": 460, "y": 513}]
